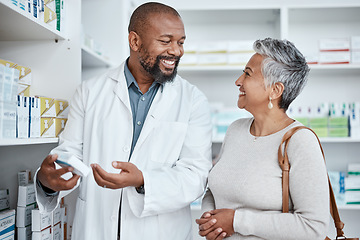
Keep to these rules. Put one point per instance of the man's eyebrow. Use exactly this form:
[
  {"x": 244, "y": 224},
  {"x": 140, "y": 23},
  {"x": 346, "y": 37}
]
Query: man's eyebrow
[
  {"x": 170, "y": 36},
  {"x": 249, "y": 69}
]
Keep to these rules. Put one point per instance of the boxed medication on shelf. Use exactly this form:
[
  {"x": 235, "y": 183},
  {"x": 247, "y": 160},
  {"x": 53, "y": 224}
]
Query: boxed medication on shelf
[
  {"x": 9, "y": 85},
  {"x": 213, "y": 47},
  {"x": 334, "y": 44},
  {"x": 69, "y": 160},
  {"x": 47, "y": 107},
  {"x": 57, "y": 215},
  {"x": 40, "y": 221},
  {"x": 50, "y": 17},
  {"x": 26, "y": 195},
  {"x": 24, "y": 233},
  {"x": 24, "y": 177},
  {"x": 57, "y": 232},
  {"x": 355, "y": 43},
  {"x": 4, "y": 199},
  {"x": 352, "y": 183},
  {"x": 189, "y": 59},
  {"x": 7, "y": 120},
  {"x": 34, "y": 117},
  {"x": 354, "y": 169},
  {"x": 355, "y": 57},
  {"x": 212, "y": 59},
  {"x": 23, "y": 90},
  {"x": 52, "y": 127},
  {"x": 45, "y": 234},
  {"x": 61, "y": 108},
  {"x": 340, "y": 57},
  {"x": 190, "y": 47},
  {"x": 240, "y": 46},
  {"x": 24, "y": 75},
  {"x": 8, "y": 236},
  {"x": 352, "y": 197},
  {"x": 7, "y": 221},
  {"x": 354, "y": 119},
  {"x": 337, "y": 180},
  {"x": 23, "y": 215},
  {"x": 23, "y": 111},
  {"x": 239, "y": 58}
]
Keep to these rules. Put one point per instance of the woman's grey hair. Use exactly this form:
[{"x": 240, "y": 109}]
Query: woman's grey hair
[{"x": 284, "y": 63}]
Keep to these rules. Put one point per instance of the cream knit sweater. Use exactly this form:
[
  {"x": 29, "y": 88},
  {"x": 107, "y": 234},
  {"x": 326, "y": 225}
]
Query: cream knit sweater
[{"x": 247, "y": 178}]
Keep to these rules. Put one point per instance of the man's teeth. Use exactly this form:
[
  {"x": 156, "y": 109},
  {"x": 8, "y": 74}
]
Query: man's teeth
[
  {"x": 242, "y": 93},
  {"x": 169, "y": 62}
]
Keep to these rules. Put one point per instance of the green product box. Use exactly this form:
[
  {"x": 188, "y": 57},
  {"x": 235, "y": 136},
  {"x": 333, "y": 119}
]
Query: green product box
[
  {"x": 319, "y": 122},
  {"x": 304, "y": 121},
  {"x": 338, "y": 122},
  {"x": 339, "y": 132},
  {"x": 321, "y": 131}
]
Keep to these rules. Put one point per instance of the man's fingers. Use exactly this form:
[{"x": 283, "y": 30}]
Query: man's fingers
[
  {"x": 206, "y": 215},
  {"x": 51, "y": 158},
  {"x": 100, "y": 180},
  {"x": 124, "y": 166},
  {"x": 207, "y": 225},
  {"x": 214, "y": 234}
]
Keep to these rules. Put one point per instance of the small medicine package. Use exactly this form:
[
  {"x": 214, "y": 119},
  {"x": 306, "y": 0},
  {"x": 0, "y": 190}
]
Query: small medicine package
[{"x": 69, "y": 160}]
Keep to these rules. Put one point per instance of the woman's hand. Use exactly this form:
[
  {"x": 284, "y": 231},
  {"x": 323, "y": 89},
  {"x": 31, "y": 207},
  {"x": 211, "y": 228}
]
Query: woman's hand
[{"x": 216, "y": 224}]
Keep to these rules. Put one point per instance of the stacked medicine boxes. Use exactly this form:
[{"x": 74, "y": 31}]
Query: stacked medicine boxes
[
  {"x": 26, "y": 203},
  {"x": 352, "y": 184},
  {"x": 7, "y": 217},
  {"x": 53, "y": 116}
]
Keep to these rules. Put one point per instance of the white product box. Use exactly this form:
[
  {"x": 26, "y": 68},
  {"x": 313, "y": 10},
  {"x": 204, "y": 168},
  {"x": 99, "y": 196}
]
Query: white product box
[
  {"x": 57, "y": 232},
  {"x": 66, "y": 160},
  {"x": 34, "y": 117},
  {"x": 47, "y": 107},
  {"x": 7, "y": 120},
  {"x": 352, "y": 197},
  {"x": 239, "y": 58},
  {"x": 7, "y": 221},
  {"x": 355, "y": 43},
  {"x": 240, "y": 46},
  {"x": 26, "y": 195},
  {"x": 189, "y": 59},
  {"x": 355, "y": 57},
  {"x": 312, "y": 58},
  {"x": 24, "y": 177},
  {"x": 212, "y": 59},
  {"x": 57, "y": 215},
  {"x": 23, "y": 108},
  {"x": 50, "y": 17},
  {"x": 24, "y": 233},
  {"x": 2, "y": 75},
  {"x": 24, "y": 75},
  {"x": 40, "y": 221},
  {"x": 61, "y": 108},
  {"x": 23, "y": 90},
  {"x": 213, "y": 47},
  {"x": 354, "y": 119},
  {"x": 46, "y": 234},
  {"x": 4, "y": 199},
  {"x": 352, "y": 183},
  {"x": 52, "y": 127},
  {"x": 354, "y": 168},
  {"x": 10, "y": 85},
  {"x": 334, "y": 44},
  {"x": 23, "y": 215},
  {"x": 190, "y": 48},
  {"x": 22, "y": 4},
  {"x": 339, "y": 57},
  {"x": 8, "y": 236}
]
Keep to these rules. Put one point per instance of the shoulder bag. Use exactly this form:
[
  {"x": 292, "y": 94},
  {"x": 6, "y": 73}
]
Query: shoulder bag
[{"x": 285, "y": 166}]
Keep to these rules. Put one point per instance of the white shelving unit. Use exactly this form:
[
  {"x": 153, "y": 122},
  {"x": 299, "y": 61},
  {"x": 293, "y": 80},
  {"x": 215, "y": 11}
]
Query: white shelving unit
[{"x": 25, "y": 141}]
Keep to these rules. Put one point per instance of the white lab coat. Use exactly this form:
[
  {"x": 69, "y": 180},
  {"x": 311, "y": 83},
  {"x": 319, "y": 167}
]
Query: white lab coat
[{"x": 173, "y": 152}]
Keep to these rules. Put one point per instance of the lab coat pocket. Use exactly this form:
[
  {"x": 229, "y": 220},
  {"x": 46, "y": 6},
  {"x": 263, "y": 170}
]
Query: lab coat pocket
[{"x": 167, "y": 140}]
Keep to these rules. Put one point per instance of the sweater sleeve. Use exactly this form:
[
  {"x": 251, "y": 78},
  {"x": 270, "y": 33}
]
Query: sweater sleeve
[{"x": 309, "y": 193}]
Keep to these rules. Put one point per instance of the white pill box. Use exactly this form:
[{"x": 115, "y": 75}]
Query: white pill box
[
  {"x": 23, "y": 215},
  {"x": 68, "y": 160},
  {"x": 40, "y": 221},
  {"x": 7, "y": 223},
  {"x": 26, "y": 195},
  {"x": 24, "y": 233},
  {"x": 4, "y": 199},
  {"x": 46, "y": 234}
]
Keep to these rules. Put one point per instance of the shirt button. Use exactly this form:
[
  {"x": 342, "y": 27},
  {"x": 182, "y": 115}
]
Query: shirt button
[
  {"x": 138, "y": 123},
  {"x": 126, "y": 149},
  {"x": 142, "y": 98}
]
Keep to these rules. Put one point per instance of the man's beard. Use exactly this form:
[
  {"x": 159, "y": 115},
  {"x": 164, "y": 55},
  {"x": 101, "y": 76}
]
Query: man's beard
[{"x": 154, "y": 70}]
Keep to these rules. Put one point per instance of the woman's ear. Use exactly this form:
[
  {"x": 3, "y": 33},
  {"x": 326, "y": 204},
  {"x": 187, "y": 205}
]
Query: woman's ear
[
  {"x": 277, "y": 90},
  {"x": 134, "y": 41}
]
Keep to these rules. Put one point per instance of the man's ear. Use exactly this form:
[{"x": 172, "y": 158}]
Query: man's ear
[
  {"x": 134, "y": 41},
  {"x": 277, "y": 90}
]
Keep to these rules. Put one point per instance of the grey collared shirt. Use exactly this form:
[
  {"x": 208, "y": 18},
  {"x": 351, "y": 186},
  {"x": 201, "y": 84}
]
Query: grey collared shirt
[{"x": 140, "y": 103}]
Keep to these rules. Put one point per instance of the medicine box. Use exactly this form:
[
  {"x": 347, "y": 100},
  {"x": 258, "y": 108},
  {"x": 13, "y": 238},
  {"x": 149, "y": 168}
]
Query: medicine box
[
  {"x": 47, "y": 107},
  {"x": 24, "y": 233},
  {"x": 66, "y": 160},
  {"x": 213, "y": 47},
  {"x": 352, "y": 183},
  {"x": 7, "y": 120},
  {"x": 355, "y": 43},
  {"x": 34, "y": 117},
  {"x": 239, "y": 58},
  {"x": 40, "y": 221},
  {"x": 46, "y": 234},
  {"x": 352, "y": 197},
  {"x": 57, "y": 232},
  {"x": 24, "y": 177},
  {"x": 4, "y": 199},
  {"x": 26, "y": 195},
  {"x": 212, "y": 59},
  {"x": 7, "y": 221},
  {"x": 8, "y": 236},
  {"x": 61, "y": 108},
  {"x": 52, "y": 127},
  {"x": 23, "y": 215},
  {"x": 189, "y": 59},
  {"x": 340, "y": 57},
  {"x": 334, "y": 44},
  {"x": 240, "y": 47}
]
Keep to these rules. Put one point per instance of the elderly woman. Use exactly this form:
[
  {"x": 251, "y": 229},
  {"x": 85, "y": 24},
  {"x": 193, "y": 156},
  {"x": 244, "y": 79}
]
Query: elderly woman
[{"x": 244, "y": 198}]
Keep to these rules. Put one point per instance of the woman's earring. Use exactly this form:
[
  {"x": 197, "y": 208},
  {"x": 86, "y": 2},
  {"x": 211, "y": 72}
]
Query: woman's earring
[{"x": 270, "y": 105}]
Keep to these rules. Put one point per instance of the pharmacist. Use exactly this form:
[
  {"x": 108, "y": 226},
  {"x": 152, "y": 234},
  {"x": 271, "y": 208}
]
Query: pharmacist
[{"x": 145, "y": 131}]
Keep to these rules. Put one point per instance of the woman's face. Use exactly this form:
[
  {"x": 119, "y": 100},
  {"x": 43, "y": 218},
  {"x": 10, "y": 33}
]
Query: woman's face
[{"x": 253, "y": 94}]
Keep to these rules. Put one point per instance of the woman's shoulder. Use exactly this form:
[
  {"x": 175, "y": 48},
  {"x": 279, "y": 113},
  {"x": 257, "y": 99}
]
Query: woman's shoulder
[{"x": 240, "y": 124}]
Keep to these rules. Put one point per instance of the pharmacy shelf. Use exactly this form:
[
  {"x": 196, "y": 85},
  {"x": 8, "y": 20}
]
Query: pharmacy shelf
[
  {"x": 217, "y": 68},
  {"x": 27, "y": 141},
  {"x": 89, "y": 58},
  {"x": 18, "y": 25},
  {"x": 322, "y": 140}
]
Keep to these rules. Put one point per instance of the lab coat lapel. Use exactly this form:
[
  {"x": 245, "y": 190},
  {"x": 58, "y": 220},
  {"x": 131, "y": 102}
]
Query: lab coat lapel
[
  {"x": 121, "y": 89},
  {"x": 160, "y": 105}
]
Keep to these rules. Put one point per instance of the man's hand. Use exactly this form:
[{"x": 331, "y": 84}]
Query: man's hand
[
  {"x": 51, "y": 178},
  {"x": 130, "y": 175}
]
